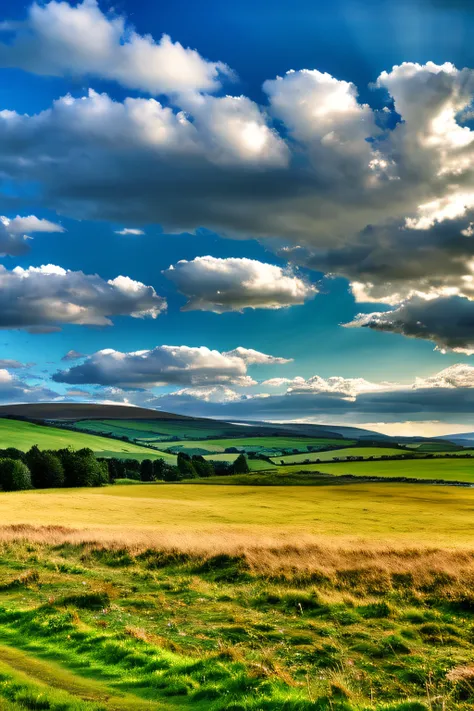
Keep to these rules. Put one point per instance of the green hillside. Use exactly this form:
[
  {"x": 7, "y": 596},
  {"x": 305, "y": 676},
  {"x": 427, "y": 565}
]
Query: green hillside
[{"x": 23, "y": 435}]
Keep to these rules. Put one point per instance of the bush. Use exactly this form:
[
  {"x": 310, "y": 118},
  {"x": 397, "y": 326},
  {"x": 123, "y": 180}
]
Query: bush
[
  {"x": 240, "y": 465},
  {"x": 14, "y": 475}
]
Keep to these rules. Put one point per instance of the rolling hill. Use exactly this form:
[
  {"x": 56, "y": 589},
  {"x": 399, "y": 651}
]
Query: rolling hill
[{"x": 84, "y": 411}]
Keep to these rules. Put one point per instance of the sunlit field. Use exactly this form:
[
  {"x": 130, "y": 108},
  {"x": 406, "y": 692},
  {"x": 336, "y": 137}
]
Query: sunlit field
[
  {"x": 393, "y": 513},
  {"x": 452, "y": 469},
  {"x": 23, "y": 435}
]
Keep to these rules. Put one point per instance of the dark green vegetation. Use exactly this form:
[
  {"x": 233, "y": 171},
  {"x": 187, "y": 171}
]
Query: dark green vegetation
[{"x": 89, "y": 628}]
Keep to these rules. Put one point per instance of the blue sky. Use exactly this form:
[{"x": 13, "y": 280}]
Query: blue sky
[{"x": 330, "y": 179}]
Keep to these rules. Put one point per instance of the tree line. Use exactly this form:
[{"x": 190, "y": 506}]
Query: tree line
[{"x": 49, "y": 469}]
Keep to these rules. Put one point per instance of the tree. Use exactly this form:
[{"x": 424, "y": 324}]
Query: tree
[
  {"x": 46, "y": 469},
  {"x": 12, "y": 453},
  {"x": 146, "y": 470},
  {"x": 202, "y": 467},
  {"x": 14, "y": 475},
  {"x": 171, "y": 473},
  {"x": 185, "y": 466},
  {"x": 83, "y": 469},
  {"x": 159, "y": 467},
  {"x": 240, "y": 465}
]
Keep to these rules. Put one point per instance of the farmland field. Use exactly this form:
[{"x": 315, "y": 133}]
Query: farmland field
[
  {"x": 345, "y": 452},
  {"x": 255, "y": 444},
  {"x": 385, "y": 512},
  {"x": 331, "y": 598},
  {"x": 157, "y": 430},
  {"x": 23, "y": 435},
  {"x": 453, "y": 469}
]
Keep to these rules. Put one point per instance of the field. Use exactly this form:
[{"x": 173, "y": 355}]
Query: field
[
  {"x": 253, "y": 444},
  {"x": 158, "y": 430},
  {"x": 452, "y": 469},
  {"x": 23, "y": 435},
  {"x": 237, "y": 598},
  {"x": 292, "y": 588},
  {"x": 342, "y": 453}
]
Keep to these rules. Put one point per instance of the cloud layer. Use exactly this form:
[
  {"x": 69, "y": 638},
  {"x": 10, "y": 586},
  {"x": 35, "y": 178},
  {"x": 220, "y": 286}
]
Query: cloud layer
[
  {"x": 167, "y": 365},
  {"x": 384, "y": 198},
  {"x": 44, "y": 298}
]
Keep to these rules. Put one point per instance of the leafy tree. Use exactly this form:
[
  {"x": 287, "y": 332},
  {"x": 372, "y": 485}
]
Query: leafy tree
[
  {"x": 159, "y": 467},
  {"x": 83, "y": 469},
  {"x": 240, "y": 465},
  {"x": 12, "y": 453},
  {"x": 185, "y": 466},
  {"x": 146, "y": 470},
  {"x": 14, "y": 475},
  {"x": 171, "y": 473},
  {"x": 203, "y": 468},
  {"x": 46, "y": 469}
]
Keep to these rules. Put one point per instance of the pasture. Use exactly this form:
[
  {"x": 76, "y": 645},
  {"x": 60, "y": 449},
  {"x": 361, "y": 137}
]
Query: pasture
[
  {"x": 394, "y": 513},
  {"x": 161, "y": 430},
  {"x": 23, "y": 435},
  {"x": 452, "y": 469},
  {"x": 254, "y": 444},
  {"x": 348, "y": 451},
  {"x": 235, "y": 598}
]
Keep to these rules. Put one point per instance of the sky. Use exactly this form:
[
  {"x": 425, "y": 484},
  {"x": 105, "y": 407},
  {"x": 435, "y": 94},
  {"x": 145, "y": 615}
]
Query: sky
[{"x": 252, "y": 211}]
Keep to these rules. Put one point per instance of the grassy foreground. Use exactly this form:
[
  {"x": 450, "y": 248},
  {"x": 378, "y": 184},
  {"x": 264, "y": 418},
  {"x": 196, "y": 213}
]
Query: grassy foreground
[
  {"x": 93, "y": 627},
  {"x": 332, "y": 598}
]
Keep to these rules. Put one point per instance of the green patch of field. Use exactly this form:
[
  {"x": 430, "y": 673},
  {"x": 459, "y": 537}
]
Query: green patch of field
[
  {"x": 365, "y": 452},
  {"x": 264, "y": 445},
  {"x": 23, "y": 435},
  {"x": 159, "y": 430},
  {"x": 439, "y": 446},
  {"x": 452, "y": 469}
]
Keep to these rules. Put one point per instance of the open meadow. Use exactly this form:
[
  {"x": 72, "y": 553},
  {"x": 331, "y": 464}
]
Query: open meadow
[
  {"x": 293, "y": 587},
  {"x": 447, "y": 469},
  {"x": 354, "y": 597}
]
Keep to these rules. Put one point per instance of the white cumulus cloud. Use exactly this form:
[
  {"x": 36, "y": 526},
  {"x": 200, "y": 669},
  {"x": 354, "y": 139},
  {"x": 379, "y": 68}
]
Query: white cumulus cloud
[
  {"x": 44, "y": 298},
  {"x": 234, "y": 284},
  {"x": 60, "y": 39},
  {"x": 165, "y": 365},
  {"x": 15, "y": 233}
]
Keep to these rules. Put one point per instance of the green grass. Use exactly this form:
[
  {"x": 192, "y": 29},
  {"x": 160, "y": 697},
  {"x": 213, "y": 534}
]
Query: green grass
[
  {"x": 237, "y": 598},
  {"x": 157, "y": 430},
  {"x": 96, "y": 629},
  {"x": 341, "y": 453},
  {"x": 23, "y": 435},
  {"x": 254, "y": 444},
  {"x": 453, "y": 469}
]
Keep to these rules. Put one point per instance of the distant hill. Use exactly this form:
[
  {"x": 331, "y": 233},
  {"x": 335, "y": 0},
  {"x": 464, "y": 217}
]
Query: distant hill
[
  {"x": 465, "y": 439},
  {"x": 85, "y": 411},
  {"x": 311, "y": 430}
]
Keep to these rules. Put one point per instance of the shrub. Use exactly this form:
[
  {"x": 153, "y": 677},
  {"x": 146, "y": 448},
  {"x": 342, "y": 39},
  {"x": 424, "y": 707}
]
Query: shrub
[
  {"x": 14, "y": 475},
  {"x": 240, "y": 465}
]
